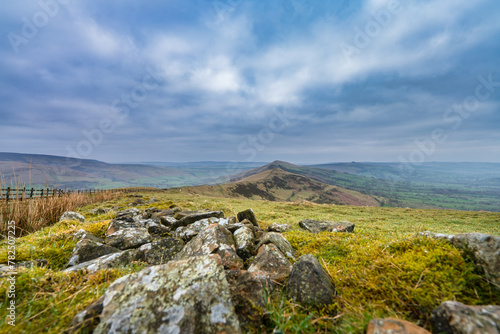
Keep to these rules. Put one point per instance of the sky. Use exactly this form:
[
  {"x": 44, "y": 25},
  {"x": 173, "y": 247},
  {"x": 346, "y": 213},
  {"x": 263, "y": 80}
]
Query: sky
[{"x": 304, "y": 81}]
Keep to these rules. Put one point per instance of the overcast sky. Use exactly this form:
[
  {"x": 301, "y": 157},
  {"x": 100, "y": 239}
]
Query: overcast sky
[{"x": 305, "y": 81}]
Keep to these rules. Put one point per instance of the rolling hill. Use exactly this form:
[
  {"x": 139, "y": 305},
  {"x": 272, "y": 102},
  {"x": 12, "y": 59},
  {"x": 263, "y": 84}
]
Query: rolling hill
[{"x": 273, "y": 183}]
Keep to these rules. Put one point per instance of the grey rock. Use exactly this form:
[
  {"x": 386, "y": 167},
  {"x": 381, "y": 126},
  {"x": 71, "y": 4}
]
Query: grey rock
[
  {"x": 129, "y": 238},
  {"x": 105, "y": 262},
  {"x": 86, "y": 250},
  {"x": 100, "y": 211},
  {"x": 248, "y": 214},
  {"x": 187, "y": 233},
  {"x": 155, "y": 228},
  {"x": 279, "y": 241},
  {"x": 271, "y": 260},
  {"x": 309, "y": 284},
  {"x": 153, "y": 200},
  {"x": 245, "y": 242},
  {"x": 194, "y": 217},
  {"x": 393, "y": 326},
  {"x": 279, "y": 228},
  {"x": 117, "y": 225},
  {"x": 214, "y": 239},
  {"x": 168, "y": 221},
  {"x": 128, "y": 214},
  {"x": 70, "y": 215},
  {"x": 159, "y": 251},
  {"x": 316, "y": 226},
  {"x": 190, "y": 296},
  {"x": 456, "y": 318},
  {"x": 87, "y": 320},
  {"x": 82, "y": 234}
]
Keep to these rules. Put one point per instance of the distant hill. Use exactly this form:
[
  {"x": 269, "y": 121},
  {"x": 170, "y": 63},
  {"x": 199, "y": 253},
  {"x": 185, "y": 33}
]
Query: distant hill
[{"x": 275, "y": 184}]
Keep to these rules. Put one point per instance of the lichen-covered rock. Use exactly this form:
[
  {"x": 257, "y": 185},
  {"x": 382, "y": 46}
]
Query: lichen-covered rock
[
  {"x": 129, "y": 238},
  {"x": 456, "y": 318},
  {"x": 245, "y": 242},
  {"x": 316, "y": 226},
  {"x": 279, "y": 228},
  {"x": 485, "y": 250},
  {"x": 82, "y": 234},
  {"x": 188, "y": 297},
  {"x": 88, "y": 319},
  {"x": 272, "y": 261},
  {"x": 128, "y": 214},
  {"x": 309, "y": 284},
  {"x": 248, "y": 214},
  {"x": 117, "y": 225},
  {"x": 279, "y": 241},
  {"x": 70, "y": 215},
  {"x": 214, "y": 239},
  {"x": 249, "y": 291},
  {"x": 194, "y": 217},
  {"x": 190, "y": 231},
  {"x": 106, "y": 261},
  {"x": 86, "y": 250},
  {"x": 156, "y": 228},
  {"x": 168, "y": 221},
  {"x": 394, "y": 326},
  {"x": 159, "y": 251}
]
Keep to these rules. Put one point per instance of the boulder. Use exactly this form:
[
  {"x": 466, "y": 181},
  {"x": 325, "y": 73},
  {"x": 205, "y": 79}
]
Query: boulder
[
  {"x": 129, "y": 238},
  {"x": 245, "y": 242},
  {"x": 248, "y": 214},
  {"x": 70, "y": 215},
  {"x": 271, "y": 260},
  {"x": 87, "y": 320},
  {"x": 316, "y": 226},
  {"x": 309, "y": 284},
  {"x": 105, "y": 262},
  {"x": 156, "y": 228},
  {"x": 159, "y": 251},
  {"x": 194, "y": 217},
  {"x": 188, "y": 232},
  {"x": 117, "y": 225},
  {"x": 394, "y": 326},
  {"x": 86, "y": 250},
  {"x": 168, "y": 221},
  {"x": 279, "y": 241},
  {"x": 189, "y": 296},
  {"x": 82, "y": 234},
  {"x": 214, "y": 239},
  {"x": 128, "y": 215},
  {"x": 280, "y": 228},
  {"x": 456, "y": 318}
]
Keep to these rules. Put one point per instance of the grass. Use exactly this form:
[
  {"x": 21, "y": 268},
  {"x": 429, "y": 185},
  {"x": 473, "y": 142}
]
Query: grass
[{"x": 379, "y": 270}]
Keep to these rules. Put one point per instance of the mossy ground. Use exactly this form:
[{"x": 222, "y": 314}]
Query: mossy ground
[{"x": 379, "y": 270}]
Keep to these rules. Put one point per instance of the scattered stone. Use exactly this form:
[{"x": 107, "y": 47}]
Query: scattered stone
[
  {"x": 88, "y": 319},
  {"x": 394, "y": 326},
  {"x": 316, "y": 226},
  {"x": 137, "y": 201},
  {"x": 168, "y": 221},
  {"x": 214, "y": 239},
  {"x": 309, "y": 284},
  {"x": 187, "y": 233},
  {"x": 82, "y": 234},
  {"x": 160, "y": 251},
  {"x": 153, "y": 200},
  {"x": 279, "y": 241},
  {"x": 279, "y": 228},
  {"x": 117, "y": 225},
  {"x": 105, "y": 262},
  {"x": 100, "y": 211},
  {"x": 69, "y": 215},
  {"x": 456, "y": 318},
  {"x": 127, "y": 215},
  {"x": 190, "y": 296},
  {"x": 155, "y": 228},
  {"x": 86, "y": 250},
  {"x": 129, "y": 238},
  {"x": 270, "y": 259},
  {"x": 245, "y": 242},
  {"x": 194, "y": 217},
  {"x": 248, "y": 214}
]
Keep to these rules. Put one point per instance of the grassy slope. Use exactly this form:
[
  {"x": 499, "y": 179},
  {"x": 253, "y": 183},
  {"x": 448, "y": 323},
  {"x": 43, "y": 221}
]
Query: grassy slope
[{"x": 378, "y": 270}]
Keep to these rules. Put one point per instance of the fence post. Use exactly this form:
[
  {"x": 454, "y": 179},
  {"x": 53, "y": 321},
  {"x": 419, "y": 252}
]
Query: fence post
[
  {"x": 8, "y": 193},
  {"x": 31, "y": 192},
  {"x": 41, "y": 194}
]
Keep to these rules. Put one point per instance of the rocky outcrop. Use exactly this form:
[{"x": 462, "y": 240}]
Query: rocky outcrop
[
  {"x": 393, "y": 326},
  {"x": 316, "y": 226},
  {"x": 187, "y": 296},
  {"x": 309, "y": 284},
  {"x": 456, "y": 318},
  {"x": 69, "y": 215}
]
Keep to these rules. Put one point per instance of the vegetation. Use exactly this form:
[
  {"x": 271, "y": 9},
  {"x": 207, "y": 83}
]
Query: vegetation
[{"x": 379, "y": 270}]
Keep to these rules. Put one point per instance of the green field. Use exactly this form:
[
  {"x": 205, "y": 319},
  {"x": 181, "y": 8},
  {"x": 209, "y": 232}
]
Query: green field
[{"x": 379, "y": 270}]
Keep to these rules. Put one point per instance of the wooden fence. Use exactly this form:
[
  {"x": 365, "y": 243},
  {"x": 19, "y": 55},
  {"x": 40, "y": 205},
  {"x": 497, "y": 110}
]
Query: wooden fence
[{"x": 20, "y": 194}]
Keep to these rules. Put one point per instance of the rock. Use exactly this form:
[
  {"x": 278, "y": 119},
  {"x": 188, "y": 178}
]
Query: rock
[
  {"x": 127, "y": 215},
  {"x": 194, "y": 217},
  {"x": 82, "y": 234},
  {"x": 117, "y": 225},
  {"x": 280, "y": 228},
  {"x": 316, "y": 226},
  {"x": 129, "y": 238},
  {"x": 214, "y": 239},
  {"x": 248, "y": 214},
  {"x": 309, "y": 284},
  {"x": 153, "y": 200},
  {"x": 189, "y": 296},
  {"x": 168, "y": 221},
  {"x": 159, "y": 251},
  {"x": 394, "y": 326},
  {"x": 485, "y": 250},
  {"x": 100, "y": 211},
  {"x": 244, "y": 241},
  {"x": 248, "y": 293},
  {"x": 86, "y": 250},
  {"x": 137, "y": 201},
  {"x": 270, "y": 260},
  {"x": 105, "y": 262},
  {"x": 88, "y": 319},
  {"x": 155, "y": 228},
  {"x": 279, "y": 241},
  {"x": 69, "y": 215},
  {"x": 456, "y": 318},
  {"x": 187, "y": 233}
]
